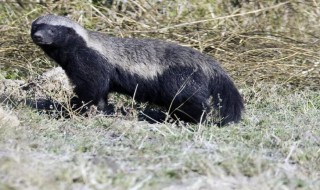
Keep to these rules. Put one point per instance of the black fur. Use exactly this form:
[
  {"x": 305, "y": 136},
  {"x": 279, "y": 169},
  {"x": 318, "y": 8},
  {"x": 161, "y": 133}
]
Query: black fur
[{"x": 181, "y": 79}]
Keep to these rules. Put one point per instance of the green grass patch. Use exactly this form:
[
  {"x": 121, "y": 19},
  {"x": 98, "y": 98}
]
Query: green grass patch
[{"x": 276, "y": 146}]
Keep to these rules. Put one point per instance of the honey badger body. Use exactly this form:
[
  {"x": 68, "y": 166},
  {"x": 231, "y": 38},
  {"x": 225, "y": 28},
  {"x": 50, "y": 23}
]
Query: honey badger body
[{"x": 178, "y": 78}]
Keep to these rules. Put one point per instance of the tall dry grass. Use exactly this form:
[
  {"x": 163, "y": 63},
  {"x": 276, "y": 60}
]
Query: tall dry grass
[{"x": 259, "y": 41}]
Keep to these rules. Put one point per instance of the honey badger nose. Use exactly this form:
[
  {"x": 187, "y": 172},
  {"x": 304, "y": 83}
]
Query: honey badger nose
[{"x": 37, "y": 37}]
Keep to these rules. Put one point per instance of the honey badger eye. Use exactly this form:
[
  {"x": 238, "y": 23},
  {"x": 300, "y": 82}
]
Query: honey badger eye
[
  {"x": 50, "y": 31},
  {"x": 34, "y": 28}
]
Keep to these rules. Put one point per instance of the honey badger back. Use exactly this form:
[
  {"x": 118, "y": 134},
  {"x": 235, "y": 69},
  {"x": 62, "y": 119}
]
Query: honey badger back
[{"x": 181, "y": 79}]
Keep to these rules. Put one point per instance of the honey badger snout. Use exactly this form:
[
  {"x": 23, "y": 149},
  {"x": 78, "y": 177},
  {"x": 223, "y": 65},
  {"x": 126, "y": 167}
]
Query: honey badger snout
[{"x": 37, "y": 37}]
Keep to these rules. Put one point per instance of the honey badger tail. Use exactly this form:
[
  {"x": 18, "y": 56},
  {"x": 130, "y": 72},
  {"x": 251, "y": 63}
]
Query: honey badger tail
[{"x": 227, "y": 100}]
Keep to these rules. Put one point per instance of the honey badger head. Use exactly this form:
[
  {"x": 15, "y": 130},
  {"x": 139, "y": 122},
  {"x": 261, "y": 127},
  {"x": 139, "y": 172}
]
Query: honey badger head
[{"x": 56, "y": 31}]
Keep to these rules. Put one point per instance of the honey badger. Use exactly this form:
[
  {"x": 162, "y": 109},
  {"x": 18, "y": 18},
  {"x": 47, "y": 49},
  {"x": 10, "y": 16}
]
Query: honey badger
[{"x": 182, "y": 80}]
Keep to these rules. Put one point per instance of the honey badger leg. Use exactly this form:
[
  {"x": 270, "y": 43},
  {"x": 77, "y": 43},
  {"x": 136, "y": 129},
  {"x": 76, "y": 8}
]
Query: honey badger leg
[{"x": 90, "y": 96}]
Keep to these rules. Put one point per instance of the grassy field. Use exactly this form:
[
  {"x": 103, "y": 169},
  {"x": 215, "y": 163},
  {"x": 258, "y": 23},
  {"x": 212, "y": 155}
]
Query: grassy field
[{"x": 271, "y": 50}]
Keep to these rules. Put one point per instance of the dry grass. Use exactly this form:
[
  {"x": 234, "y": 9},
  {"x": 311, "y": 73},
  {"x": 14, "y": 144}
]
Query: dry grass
[
  {"x": 269, "y": 42},
  {"x": 270, "y": 48}
]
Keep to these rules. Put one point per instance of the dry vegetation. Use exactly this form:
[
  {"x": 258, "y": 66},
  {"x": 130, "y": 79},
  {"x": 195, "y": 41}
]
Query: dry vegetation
[{"x": 271, "y": 50}]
